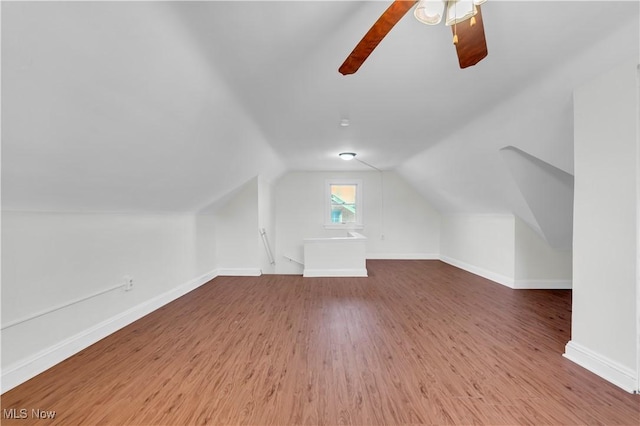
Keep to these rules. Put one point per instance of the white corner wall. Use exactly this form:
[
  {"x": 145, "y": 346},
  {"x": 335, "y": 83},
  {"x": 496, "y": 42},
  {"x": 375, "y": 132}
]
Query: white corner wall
[
  {"x": 605, "y": 329},
  {"x": 266, "y": 222},
  {"x": 400, "y": 225},
  {"x": 537, "y": 264},
  {"x": 205, "y": 242},
  {"x": 49, "y": 259},
  {"x": 238, "y": 241},
  {"x": 481, "y": 244},
  {"x": 504, "y": 249}
]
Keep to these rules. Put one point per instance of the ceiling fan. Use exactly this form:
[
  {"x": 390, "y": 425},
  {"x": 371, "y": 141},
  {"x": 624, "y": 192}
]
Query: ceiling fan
[{"x": 464, "y": 17}]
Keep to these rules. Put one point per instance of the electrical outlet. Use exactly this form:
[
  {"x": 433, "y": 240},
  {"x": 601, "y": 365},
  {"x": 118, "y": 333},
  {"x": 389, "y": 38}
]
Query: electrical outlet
[{"x": 128, "y": 283}]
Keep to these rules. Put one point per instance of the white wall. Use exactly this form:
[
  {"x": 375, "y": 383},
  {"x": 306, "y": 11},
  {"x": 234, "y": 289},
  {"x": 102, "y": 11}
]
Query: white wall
[
  {"x": 49, "y": 259},
  {"x": 237, "y": 218},
  {"x": 482, "y": 244},
  {"x": 604, "y": 332},
  {"x": 410, "y": 226},
  {"x": 537, "y": 264},
  {"x": 237, "y": 238},
  {"x": 503, "y": 248},
  {"x": 266, "y": 221},
  {"x": 205, "y": 237}
]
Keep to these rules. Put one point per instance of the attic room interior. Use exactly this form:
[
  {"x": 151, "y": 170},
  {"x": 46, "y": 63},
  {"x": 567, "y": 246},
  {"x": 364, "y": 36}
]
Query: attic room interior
[{"x": 183, "y": 244}]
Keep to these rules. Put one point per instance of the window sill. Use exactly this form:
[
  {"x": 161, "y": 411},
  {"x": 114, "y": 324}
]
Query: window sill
[{"x": 343, "y": 226}]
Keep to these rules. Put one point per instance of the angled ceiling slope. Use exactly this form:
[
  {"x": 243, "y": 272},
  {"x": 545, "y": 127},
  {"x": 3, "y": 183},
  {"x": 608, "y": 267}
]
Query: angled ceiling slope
[
  {"x": 109, "y": 106},
  {"x": 464, "y": 172},
  {"x": 548, "y": 192}
]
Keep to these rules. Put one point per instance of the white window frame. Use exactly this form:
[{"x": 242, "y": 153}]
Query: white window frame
[{"x": 358, "y": 224}]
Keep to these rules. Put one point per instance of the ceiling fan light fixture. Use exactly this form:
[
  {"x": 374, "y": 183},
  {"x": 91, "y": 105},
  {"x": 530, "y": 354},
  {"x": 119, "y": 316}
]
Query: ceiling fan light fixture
[
  {"x": 460, "y": 10},
  {"x": 429, "y": 12},
  {"x": 347, "y": 155},
  {"x": 471, "y": 43}
]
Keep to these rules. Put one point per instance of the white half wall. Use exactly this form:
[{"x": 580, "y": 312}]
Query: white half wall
[
  {"x": 605, "y": 244},
  {"x": 49, "y": 259},
  {"x": 335, "y": 256},
  {"x": 398, "y": 221}
]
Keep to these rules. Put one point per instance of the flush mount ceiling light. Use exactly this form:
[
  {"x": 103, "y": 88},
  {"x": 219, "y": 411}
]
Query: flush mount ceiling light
[
  {"x": 352, "y": 156},
  {"x": 347, "y": 155}
]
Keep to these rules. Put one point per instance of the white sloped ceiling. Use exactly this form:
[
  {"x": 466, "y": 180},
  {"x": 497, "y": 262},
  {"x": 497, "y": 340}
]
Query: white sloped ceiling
[
  {"x": 109, "y": 106},
  {"x": 168, "y": 106}
]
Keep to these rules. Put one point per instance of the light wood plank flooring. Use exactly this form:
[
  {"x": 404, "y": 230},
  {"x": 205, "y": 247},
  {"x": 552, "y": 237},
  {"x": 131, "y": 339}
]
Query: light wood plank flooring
[{"x": 418, "y": 342}]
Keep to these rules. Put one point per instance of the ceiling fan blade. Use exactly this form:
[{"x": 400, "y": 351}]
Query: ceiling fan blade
[
  {"x": 472, "y": 45},
  {"x": 374, "y": 36}
]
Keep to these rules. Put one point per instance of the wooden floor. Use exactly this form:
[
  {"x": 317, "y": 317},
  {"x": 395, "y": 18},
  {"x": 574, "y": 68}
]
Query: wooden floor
[{"x": 418, "y": 342}]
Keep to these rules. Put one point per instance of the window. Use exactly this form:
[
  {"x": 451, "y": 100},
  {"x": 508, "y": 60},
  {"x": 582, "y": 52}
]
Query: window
[{"x": 343, "y": 204}]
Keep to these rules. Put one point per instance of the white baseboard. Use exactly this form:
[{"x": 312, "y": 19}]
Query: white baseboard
[
  {"x": 493, "y": 276},
  {"x": 335, "y": 273},
  {"x": 35, "y": 364},
  {"x": 602, "y": 366},
  {"x": 509, "y": 282},
  {"x": 239, "y": 272},
  {"x": 543, "y": 284},
  {"x": 403, "y": 256}
]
